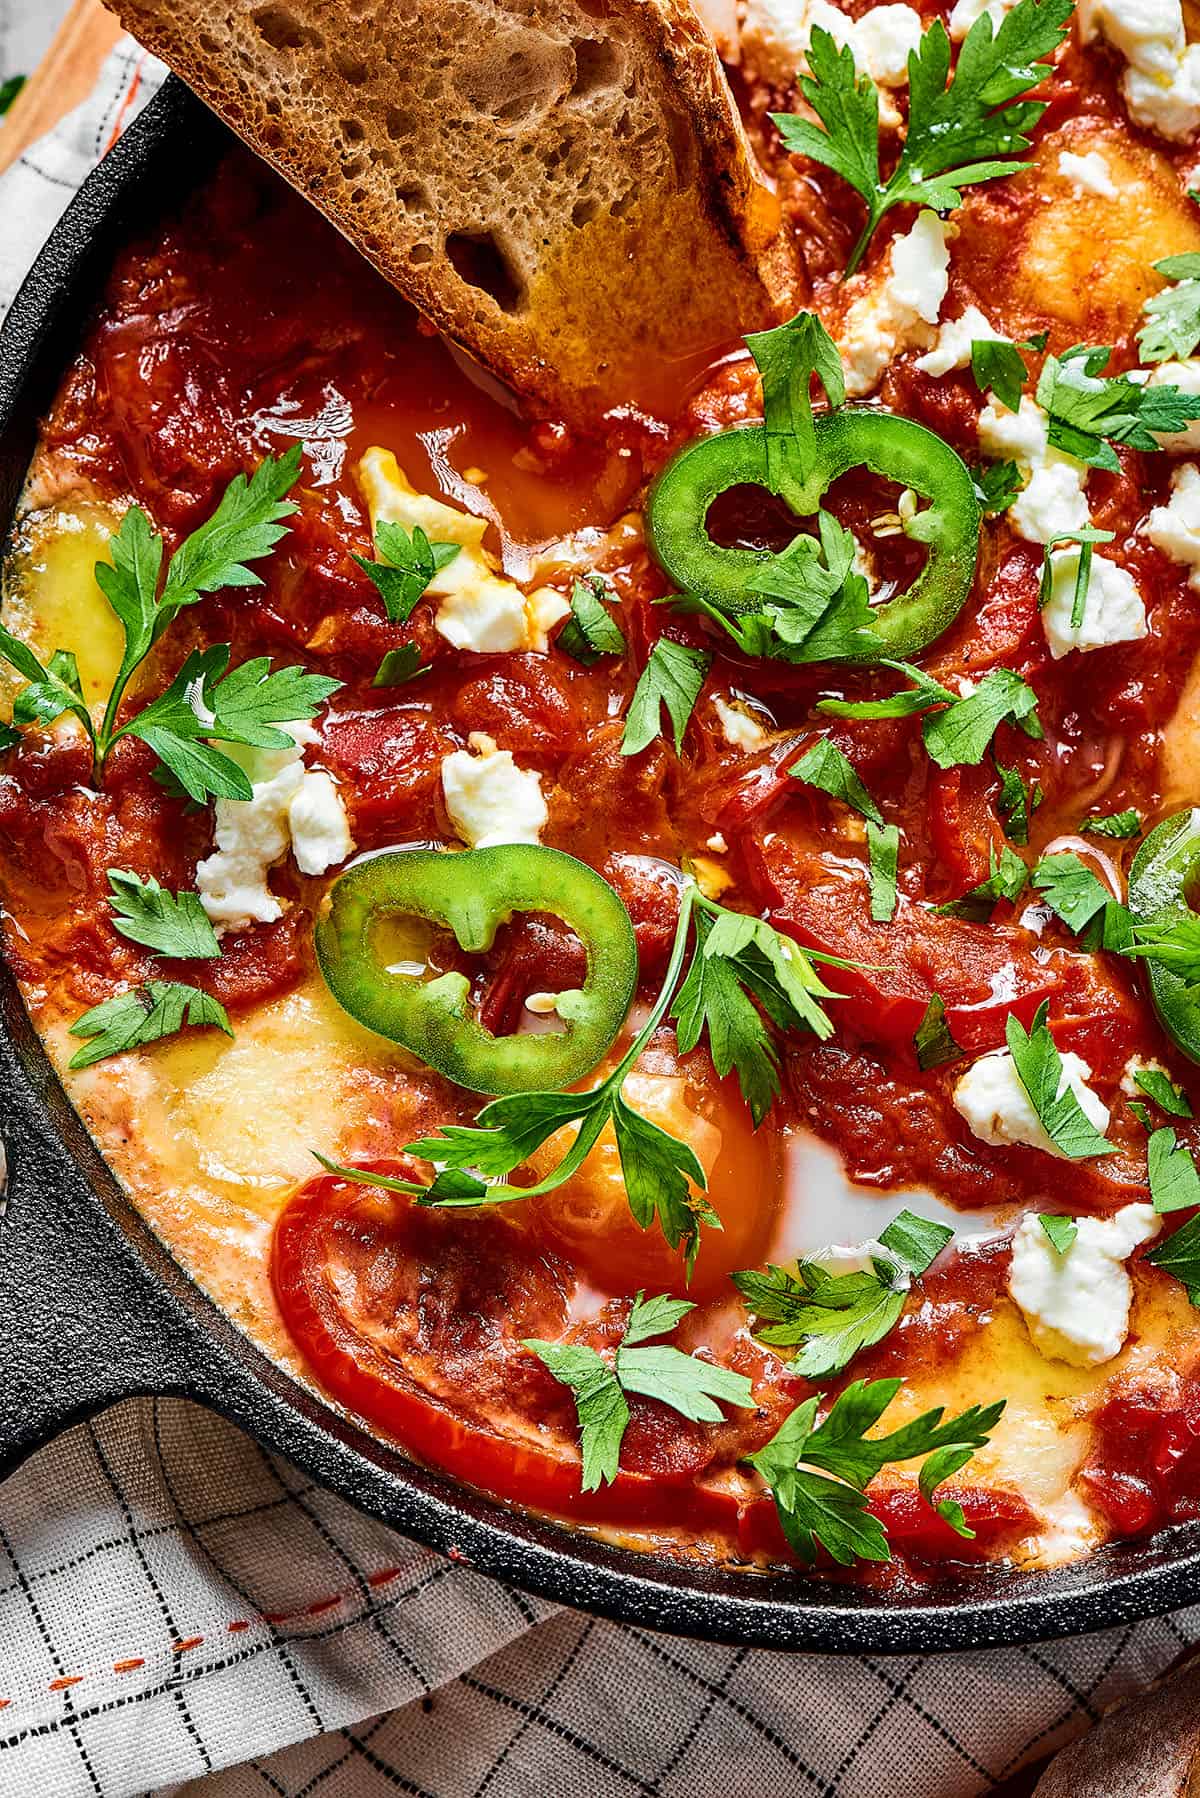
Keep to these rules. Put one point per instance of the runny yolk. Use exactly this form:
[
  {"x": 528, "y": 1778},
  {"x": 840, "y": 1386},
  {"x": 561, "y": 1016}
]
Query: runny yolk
[{"x": 589, "y": 1216}]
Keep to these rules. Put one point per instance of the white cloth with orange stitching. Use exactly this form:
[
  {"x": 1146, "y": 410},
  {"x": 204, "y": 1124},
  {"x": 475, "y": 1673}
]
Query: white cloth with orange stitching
[{"x": 174, "y": 1602}]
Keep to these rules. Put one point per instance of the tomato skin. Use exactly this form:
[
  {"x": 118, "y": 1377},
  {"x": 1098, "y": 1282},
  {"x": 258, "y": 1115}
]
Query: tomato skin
[
  {"x": 375, "y": 1386},
  {"x": 1143, "y": 1467},
  {"x": 964, "y": 830}
]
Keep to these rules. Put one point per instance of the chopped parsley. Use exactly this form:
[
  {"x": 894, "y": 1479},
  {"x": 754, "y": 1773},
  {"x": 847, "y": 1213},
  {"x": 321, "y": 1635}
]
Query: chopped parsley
[
  {"x": 672, "y": 677},
  {"x": 1039, "y": 1068},
  {"x": 957, "y": 728},
  {"x": 997, "y": 485},
  {"x": 883, "y": 855},
  {"x": 818, "y": 1472},
  {"x": 1070, "y": 889},
  {"x": 1179, "y": 1255},
  {"x": 934, "y": 1040},
  {"x": 998, "y": 367},
  {"x": 1162, "y": 1089},
  {"x": 1172, "y": 328},
  {"x": 825, "y": 767},
  {"x": 693, "y": 1387},
  {"x": 591, "y": 631},
  {"x": 407, "y": 565},
  {"x": 1117, "y": 824},
  {"x": 962, "y": 129},
  {"x": 1061, "y": 1231},
  {"x": 1087, "y": 411},
  {"x": 399, "y": 666},
  {"x": 173, "y": 924},
  {"x": 1173, "y": 943},
  {"x": 1017, "y": 803},
  {"x": 144, "y": 1015},
  {"x": 1174, "y": 1182},
  {"x": 9, "y": 89},
  {"x": 830, "y": 1317},
  {"x": 1006, "y": 880}
]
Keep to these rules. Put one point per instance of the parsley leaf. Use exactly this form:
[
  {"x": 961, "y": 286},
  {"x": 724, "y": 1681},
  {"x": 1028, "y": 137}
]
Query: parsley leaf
[
  {"x": 996, "y": 485},
  {"x": 1179, "y": 1254},
  {"x": 206, "y": 704},
  {"x": 673, "y": 677},
  {"x": 1062, "y": 1231},
  {"x": 934, "y": 1041},
  {"x": 689, "y": 1385},
  {"x": 1163, "y": 1090},
  {"x": 1172, "y": 328},
  {"x": 1173, "y": 942},
  {"x": 963, "y": 731},
  {"x": 1016, "y": 802},
  {"x": 1006, "y": 881},
  {"x": 998, "y": 367},
  {"x": 1174, "y": 1182},
  {"x": 1088, "y": 412},
  {"x": 924, "y": 693},
  {"x": 400, "y": 665},
  {"x": 9, "y": 738},
  {"x": 9, "y": 89},
  {"x": 591, "y": 631},
  {"x": 407, "y": 565},
  {"x": 174, "y": 924},
  {"x": 832, "y": 1316},
  {"x": 814, "y": 1509},
  {"x": 787, "y": 358},
  {"x": 1117, "y": 824},
  {"x": 1070, "y": 889},
  {"x": 883, "y": 854},
  {"x": 825, "y": 767},
  {"x": 960, "y": 131},
  {"x": 143, "y": 1015},
  {"x": 1039, "y": 1068}
]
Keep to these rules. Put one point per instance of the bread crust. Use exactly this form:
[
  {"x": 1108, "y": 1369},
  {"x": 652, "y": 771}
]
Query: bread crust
[{"x": 562, "y": 186}]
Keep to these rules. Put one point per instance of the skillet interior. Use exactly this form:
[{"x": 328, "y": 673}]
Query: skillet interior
[{"x": 95, "y": 1309}]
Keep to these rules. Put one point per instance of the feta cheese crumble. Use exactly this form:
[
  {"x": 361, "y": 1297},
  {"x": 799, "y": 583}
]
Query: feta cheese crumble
[
  {"x": 953, "y": 347},
  {"x": 1162, "y": 82},
  {"x": 896, "y": 312},
  {"x": 1175, "y": 527},
  {"x": 1113, "y": 611},
  {"x": 1088, "y": 174},
  {"x": 776, "y": 34},
  {"x": 994, "y": 1103},
  {"x": 481, "y": 609},
  {"x": 291, "y": 806},
  {"x": 1052, "y": 503},
  {"x": 739, "y": 729},
  {"x": 488, "y": 798},
  {"x": 966, "y": 12},
  {"x": 1076, "y": 1305}
]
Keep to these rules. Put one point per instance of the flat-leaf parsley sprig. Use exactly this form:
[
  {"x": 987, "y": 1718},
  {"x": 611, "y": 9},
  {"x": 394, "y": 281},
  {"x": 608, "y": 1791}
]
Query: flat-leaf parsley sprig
[
  {"x": 692, "y": 1387},
  {"x": 818, "y": 1473},
  {"x": 744, "y": 981},
  {"x": 961, "y": 130},
  {"x": 206, "y": 701}
]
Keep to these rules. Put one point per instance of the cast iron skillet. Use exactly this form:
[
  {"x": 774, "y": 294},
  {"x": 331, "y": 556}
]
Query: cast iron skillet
[{"x": 93, "y": 1309}]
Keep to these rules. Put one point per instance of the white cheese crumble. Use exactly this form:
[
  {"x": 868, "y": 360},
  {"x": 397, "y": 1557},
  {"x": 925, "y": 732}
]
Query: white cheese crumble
[
  {"x": 953, "y": 347},
  {"x": 291, "y": 807},
  {"x": 999, "y": 1110},
  {"x": 966, "y": 12},
  {"x": 1088, "y": 174},
  {"x": 1052, "y": 503},
  {"x": 776, "y": 34},
  {"x": 739, "y": 729},
  {"x": 1162, "y": 82},
  {"x": 897, "y": 311},
  {"x": 1076, "y": 1305},
  {"x": 1175, "y": 527},
  {"x": 1113, "y": 611},
  {"x": 481, "y": 609},
  {"x": 1185, "y": 376},
  {"x": 1137, "y": 1064},
  {"x": 488, "y": 798}
]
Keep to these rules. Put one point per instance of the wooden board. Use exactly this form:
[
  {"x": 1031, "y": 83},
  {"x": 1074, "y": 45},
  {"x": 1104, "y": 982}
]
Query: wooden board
[{"x": 64, "y": 78}]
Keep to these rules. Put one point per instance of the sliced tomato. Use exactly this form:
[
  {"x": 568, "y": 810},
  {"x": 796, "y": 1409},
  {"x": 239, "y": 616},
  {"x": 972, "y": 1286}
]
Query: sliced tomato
[
  {"x": 414, "y": 1319},
  {"x": 914, "y": 1530},
  {"x": 963, "y": 828}
]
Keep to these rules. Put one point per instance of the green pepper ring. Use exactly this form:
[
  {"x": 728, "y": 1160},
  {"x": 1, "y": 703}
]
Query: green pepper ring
[
  {"x": 896, "y": 448},
  {"x": 473, "y": 893},
  {"x": 1158, "y": 879}
]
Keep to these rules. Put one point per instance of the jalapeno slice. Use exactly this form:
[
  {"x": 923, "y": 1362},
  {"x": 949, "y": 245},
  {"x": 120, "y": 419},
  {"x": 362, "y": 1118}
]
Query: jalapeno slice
[
  {"x": 472, "y": 893},
  {"x": 895, "y": 448},
  {"x": 1160, "y": 878}
]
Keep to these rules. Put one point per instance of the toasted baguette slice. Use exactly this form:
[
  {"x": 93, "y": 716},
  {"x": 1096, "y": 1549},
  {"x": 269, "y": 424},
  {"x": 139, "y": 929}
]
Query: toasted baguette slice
[{"x": 563, "y": 186}]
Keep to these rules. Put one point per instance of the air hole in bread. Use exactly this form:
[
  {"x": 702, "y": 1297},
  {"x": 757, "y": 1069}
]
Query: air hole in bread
[
  {"x": 352, "y": 69},
  {"x": 478, "y": 260},
  {"x": 412, "y": 196},
  {"x": 353, "y": 130},
  {"x": 399, "y": 122},
  {"x": 515, "y": 78},
  {"x": 420, "y": 254},
  {"x": 280, "y": 27},
  {"x": 597, "y": 64},
  {"x": 584, "y": 211}
]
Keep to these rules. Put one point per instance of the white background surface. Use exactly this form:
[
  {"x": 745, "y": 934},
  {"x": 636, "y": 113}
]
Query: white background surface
[{"x": 26, "y": 27}]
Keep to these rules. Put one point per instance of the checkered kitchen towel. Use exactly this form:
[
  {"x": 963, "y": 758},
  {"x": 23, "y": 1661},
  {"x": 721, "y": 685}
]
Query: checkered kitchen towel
[{"x": 174, "y": 1602}]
